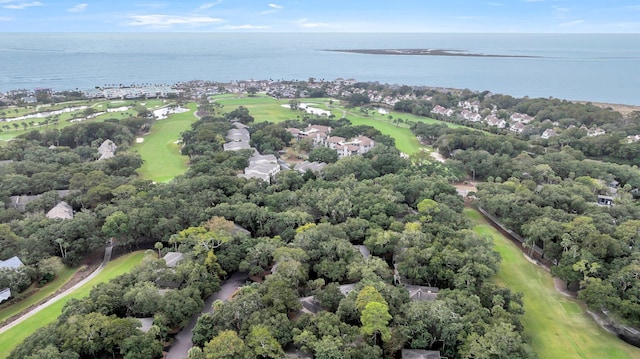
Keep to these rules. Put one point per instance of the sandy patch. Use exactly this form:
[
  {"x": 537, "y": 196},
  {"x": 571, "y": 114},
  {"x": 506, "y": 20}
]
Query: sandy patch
[
  {"x": 309, "y": 109},
  {"x": 163, "y": 113}
]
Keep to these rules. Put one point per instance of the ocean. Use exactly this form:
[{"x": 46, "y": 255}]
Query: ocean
[{"x": 588, "y": 67}]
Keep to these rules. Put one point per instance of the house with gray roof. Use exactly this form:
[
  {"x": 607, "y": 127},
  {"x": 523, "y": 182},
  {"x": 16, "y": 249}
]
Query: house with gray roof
[
  {"x": 264, "y": 167},
  {"x": 420, "y": 354},
  {"x": 5, "y": 294},
  {"x": 305, "y": 166},
  {"x": 62, "y": 210},
  {"x": 236, "y": 146},
  {"x": 13, "y": 263},
  {"x": 172, "y": 258},
  {"x": 107, "y": 150},
  {"x": 422, "y": 293}
]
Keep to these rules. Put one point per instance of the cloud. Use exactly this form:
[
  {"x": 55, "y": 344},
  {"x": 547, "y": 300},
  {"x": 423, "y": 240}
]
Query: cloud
[
  {"x": 273, "y": 8},
  {"x": 78, "y": 8},
  {"x": 23, "y": 5},
  {"x": 495, "y": 4},
  {"x": 572, "y": 23},
  {"x": 170, "y": 20},
  {"x": 244, "y": 27},
  {"x": 209, "y": 5},
  {"x": 533, "y": 0},
  {"x": 5, "y": 18},
  {"x": 151, "y": 5},
  {"x": 468, "y": 17},
  {"x": 310, "y": 25}
]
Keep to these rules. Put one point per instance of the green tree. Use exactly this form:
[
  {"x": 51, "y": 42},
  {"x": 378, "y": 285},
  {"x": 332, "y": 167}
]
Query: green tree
[
  {"x": 323, "y": 154},
  {"x": 375, "y": 320},
  {"x": 226, "y": 345},
  {"x": 262, "y": 344}
]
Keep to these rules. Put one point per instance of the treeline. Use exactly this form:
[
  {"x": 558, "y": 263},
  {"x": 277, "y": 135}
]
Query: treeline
[
  {"x": 550, "y": 197},
  {"x": 303, "y": 230}
]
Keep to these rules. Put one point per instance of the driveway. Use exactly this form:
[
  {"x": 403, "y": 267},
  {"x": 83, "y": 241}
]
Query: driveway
[{"x": 182, "y": 342}]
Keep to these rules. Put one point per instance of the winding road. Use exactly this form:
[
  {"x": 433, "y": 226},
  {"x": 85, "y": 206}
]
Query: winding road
[
  {"x": 107, "y": 258},
  {"x": 182, "y": 342}
]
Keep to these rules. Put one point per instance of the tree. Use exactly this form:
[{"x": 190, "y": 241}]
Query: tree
[
  {"x": 226, "y": 345},
  {"x": 117, "y": 226},
  {"x": 323, "y": 154},
  {"x": 501, "y": 341},
  {"x": 141, "y": 346},
  {"x": 262, "y": 344},
  {"x": 95, "y": 334},
  {"x": 375, "y": 320},
  {"x": 158, "y": 246}
]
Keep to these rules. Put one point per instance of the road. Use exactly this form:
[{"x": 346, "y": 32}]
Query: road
[
  {"x": 107, "y": 258},
  {"x": 182, "y": 342}
]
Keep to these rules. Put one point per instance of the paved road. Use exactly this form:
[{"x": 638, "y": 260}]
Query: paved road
[
  {"x": 107, "y": 258},
  {"x": 182, "y": 342}
]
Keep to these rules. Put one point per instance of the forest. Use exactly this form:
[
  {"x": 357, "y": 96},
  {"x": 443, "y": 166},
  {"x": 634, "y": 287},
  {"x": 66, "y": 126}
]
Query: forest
[
  {"x": 367, "y": 258},
  {"x": 305, "y": 231}
]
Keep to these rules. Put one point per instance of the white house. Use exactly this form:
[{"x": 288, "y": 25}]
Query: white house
[{"x": 548, "y": 133}]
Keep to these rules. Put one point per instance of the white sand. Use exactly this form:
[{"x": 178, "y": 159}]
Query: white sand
[{"x": 164, "y": 112}]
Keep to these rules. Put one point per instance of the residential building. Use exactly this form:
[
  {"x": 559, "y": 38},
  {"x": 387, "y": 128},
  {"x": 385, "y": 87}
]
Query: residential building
[
  {"x": 548, "y": 133},
  {"x": 61, "y": 210}
]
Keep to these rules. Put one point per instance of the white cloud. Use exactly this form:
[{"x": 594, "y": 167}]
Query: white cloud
[
  {"x": 244, "y": 27},
  {"x": 170, "y": 20},
  {"x": 309, "y": 25},
  {"x": 209, "y": 5},
  {"x": 78, "y": 8},
  {"x": 572, "y": 23},
  {"x": 273, "y": 8},
  {"x": 533, "y": 0},
  {"x": 23, "y": 5},
  {"x": 468, "y": 17},
  {"x": 495, "y": 4}
]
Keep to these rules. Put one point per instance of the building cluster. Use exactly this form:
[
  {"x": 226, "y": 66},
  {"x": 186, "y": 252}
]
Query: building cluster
[
  {"x": 132, "y": 92},
  {"x": 320, "y": 136},
  {"x": 264, "y": 167},
  {"x": 517, "y": 122}
]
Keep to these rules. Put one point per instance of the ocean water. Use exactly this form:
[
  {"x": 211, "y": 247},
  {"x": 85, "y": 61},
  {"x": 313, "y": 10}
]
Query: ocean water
[{"x": 591, "y": 67}]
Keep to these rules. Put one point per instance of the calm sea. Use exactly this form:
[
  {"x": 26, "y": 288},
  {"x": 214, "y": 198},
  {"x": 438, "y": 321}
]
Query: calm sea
[{"x": 577, "y": 66}]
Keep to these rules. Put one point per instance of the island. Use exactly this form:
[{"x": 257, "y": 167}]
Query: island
[{"x": 425, "y": 52}]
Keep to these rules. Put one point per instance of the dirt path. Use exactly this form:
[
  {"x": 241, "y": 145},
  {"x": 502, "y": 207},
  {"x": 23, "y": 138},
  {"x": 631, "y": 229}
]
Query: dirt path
[{"x": 68, "y": 288}]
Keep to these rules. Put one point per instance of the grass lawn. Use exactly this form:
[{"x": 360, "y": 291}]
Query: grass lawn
[
  {"x": 160, "y": 152},
  {"x": 8, "y": 310},
  {"x": 264, "y": 108},
  {"x": 558, "y": 326},
  {"x": 14, "y": 336}
]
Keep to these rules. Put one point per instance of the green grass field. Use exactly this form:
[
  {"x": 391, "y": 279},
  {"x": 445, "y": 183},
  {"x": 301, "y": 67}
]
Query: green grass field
[
  {"x": 8, "y": 310},
  {"x": 14, "y": 336},
  {"x": 264, "y": 108},
  {"x": 558, "y": 326},
  {"x": 160, "y": 152}
]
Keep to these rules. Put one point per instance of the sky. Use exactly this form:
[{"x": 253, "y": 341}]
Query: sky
[{"x": 490, "y": 16}]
